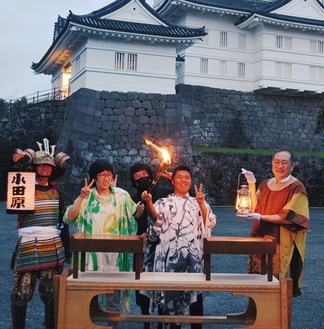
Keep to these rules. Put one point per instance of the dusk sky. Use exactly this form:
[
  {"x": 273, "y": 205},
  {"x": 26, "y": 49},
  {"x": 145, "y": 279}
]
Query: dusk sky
[{"x": 27, "y": 28}]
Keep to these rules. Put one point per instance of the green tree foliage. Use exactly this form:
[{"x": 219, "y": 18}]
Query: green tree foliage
[
  {"x": 16, "y": 104},
  {"x": 3, "y": 105}
]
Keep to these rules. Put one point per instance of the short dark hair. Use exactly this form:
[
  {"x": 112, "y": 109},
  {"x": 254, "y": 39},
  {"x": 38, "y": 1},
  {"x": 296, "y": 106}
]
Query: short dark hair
[
  {"x": 99, "y": 166},
  {"x": 292, "y": 155},
  {"x": 138, "y": 167},
  {"x": 181, "y": 167}
]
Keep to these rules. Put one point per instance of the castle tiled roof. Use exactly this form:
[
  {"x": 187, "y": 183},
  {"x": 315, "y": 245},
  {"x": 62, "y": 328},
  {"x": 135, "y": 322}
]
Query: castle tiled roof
[
  {"x": 116, "y": 5},
  {"x": 165, "y": 29},
  {"x": 294, "y": 19},
  {"x": 171, "y": 30},
  {"x": 247, "y": 8},
  {"x": 94, "y": 24},
  {"x": 238, "y": 5}
]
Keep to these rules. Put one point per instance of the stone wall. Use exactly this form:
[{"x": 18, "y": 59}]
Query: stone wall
[
  {"x": 92, "y": 124},
  {"x": 229, "y": 118},
  {"x": 22, "y": 125}
]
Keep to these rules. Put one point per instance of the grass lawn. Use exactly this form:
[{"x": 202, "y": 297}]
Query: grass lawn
[{"x": 253, "y": 151}]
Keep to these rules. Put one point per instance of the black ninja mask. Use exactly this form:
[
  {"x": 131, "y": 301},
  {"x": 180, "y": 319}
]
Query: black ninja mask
[{"x": 144, "y": 183}]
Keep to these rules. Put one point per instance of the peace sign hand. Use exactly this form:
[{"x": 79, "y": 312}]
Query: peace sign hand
[
  {"x": 200, "y": 197},
  {"x": 85, "y": 191},
  {"x": 114, "y": 181}
]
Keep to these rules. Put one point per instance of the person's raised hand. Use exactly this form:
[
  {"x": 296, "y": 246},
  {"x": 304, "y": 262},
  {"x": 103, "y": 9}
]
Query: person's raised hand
[
  {"x": 114, "y": 181},
  {"x": 200, "y": 197},
  {"x": 146, "y": 196},
  {"x": 140, "y": 206},
  {"x": 18, "y": 154},
  {"x": 249, "y": 176},
  {"x": 85, "y": 191},
  {"x": 167, "y": 175}
]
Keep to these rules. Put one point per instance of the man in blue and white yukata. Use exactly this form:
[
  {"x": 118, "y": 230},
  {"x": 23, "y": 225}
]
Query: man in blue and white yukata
[{"x": 179, "y": 222}]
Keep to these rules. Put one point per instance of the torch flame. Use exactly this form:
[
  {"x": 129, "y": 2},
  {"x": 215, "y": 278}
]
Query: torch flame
[
  {"x": 165, "y": 163},
  {"x": 165, "y": 154}
]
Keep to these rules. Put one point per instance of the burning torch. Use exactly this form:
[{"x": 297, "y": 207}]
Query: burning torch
[{"x": 165, "y": 163}]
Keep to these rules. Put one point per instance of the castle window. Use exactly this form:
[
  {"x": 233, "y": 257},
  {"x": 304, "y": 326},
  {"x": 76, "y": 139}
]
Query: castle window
[
  {"x": 312, "y": 73},
  {"x": 283, "y": 42},
  {"x": 132, "y": 62},
  {"x": 313, "y": 46},
  {"x": 223, "y": 68},
  {"x": 241, "y": 70},
  {"x": 287, "y": 73},
  {"x": 320, "y": 77},
  {"x": 203, "y": 65},
  {"x": 242, "y": 41},
  {"x": 119, "y": 61},
  {"x": 278, "y": 70},
  {"x": 279, "y": 41},
  {"x": 288, "y": 43},
  {"x": 283, "y": 70},
  {"x": 317, "y": 46},
  {"x": 316, "y": 73},
  {"x": 223, "y": 39}
]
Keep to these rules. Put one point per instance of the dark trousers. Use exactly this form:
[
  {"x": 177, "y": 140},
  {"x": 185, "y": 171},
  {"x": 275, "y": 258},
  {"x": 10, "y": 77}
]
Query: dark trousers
[
  {"x": 144, "y": 303},
  {"x": 196, "y": 308}
]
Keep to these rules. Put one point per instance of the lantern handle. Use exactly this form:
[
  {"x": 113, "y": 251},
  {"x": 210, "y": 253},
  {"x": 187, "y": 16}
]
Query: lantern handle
[{"x": 238, "y": 181}]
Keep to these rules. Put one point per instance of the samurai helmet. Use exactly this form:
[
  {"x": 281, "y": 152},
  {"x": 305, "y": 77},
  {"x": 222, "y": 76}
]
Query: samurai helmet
[{"x": 45, "y": 156}]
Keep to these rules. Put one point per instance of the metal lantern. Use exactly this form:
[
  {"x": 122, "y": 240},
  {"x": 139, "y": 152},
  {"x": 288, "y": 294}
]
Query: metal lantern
[{"x": 243, "y": 201}]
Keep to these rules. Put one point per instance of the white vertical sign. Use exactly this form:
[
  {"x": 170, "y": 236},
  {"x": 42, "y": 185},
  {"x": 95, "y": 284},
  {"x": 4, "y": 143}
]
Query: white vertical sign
[{"x": 21, "y": 191}]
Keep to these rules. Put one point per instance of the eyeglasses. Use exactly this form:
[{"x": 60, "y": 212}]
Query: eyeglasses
[{"x": 104, "y": 175}]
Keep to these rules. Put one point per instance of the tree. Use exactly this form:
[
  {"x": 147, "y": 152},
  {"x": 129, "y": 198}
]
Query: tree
[
  {"x": 3, "y": 105},
  {"x": 15, "y": 104}
]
